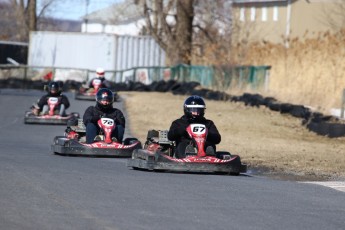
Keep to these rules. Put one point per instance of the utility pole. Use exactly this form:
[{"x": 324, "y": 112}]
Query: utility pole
[{"x": 86, "y": 14}]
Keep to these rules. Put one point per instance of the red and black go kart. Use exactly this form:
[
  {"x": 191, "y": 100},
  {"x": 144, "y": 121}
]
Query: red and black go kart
[
  {"x": 85, "y": 93},
  {"x": 73, "y": 143},
  {"x": 52, "y": 118},
  {"x": 158, "y": 155}
]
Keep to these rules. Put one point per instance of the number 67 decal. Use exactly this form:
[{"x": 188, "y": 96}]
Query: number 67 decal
[{"x": 198, "y": 128}]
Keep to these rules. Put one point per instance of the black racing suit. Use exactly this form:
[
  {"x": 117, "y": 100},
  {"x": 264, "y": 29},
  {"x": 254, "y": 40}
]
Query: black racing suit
[
  {"x": 105, "y": 83},
  {"x": 178, "y": 133},
  {"x": 62, "y": 100},
  {"x": 94, "y": 113}
]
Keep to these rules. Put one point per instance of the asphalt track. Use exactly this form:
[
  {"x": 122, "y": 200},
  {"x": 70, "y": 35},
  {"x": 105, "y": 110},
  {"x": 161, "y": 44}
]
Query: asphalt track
[{"x": 40, "y": 190}]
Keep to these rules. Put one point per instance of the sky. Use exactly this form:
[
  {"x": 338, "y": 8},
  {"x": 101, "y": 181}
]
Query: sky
[{"x": 74, "y": 9}]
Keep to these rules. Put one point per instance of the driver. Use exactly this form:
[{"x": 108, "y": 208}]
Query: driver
[
  {"x": 54, "y": 90},
  {"x": 99, "y": 76},
  {"x": 194, "y": 110},
  {"x": 104, "y": 108}
]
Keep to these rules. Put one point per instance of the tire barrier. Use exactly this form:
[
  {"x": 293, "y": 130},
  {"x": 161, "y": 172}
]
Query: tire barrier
[{"x": 316, "y": 122}]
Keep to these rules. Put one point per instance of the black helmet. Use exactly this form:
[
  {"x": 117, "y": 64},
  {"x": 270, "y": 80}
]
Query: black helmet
[
  {"x": 104, "y": 98},
  {"x": 194, "y": 107},
  {"x": 54, "y": 88}
]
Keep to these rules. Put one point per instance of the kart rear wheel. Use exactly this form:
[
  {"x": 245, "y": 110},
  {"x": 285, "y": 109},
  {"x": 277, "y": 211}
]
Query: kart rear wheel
[
  {"x": 223, "y": 155},
  {"x": 130, "y": 140},
  {"x": 60, "y": 140},
  {"x": 76, "y": 115},
  {"x": 72, "y": 122}
]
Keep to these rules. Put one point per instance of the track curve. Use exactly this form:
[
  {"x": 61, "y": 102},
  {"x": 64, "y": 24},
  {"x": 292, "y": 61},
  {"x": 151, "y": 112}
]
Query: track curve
[{"x": 40, "y": 190}]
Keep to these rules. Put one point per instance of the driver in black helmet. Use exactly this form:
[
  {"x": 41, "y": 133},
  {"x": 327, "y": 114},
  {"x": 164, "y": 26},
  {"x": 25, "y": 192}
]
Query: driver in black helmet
[
  {"x": 54, "y": 90},
  {"x": 104, "y": 108},
  {"x": 194, "y": 111}
]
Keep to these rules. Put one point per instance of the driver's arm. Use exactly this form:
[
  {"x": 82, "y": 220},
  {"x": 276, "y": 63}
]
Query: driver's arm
[
  {"x": 90, "y": 116},
  {"x": 177, "y": 130},
  {"x": 65, "y": 101},
  {"x": 43, "y": 101},
  {"x": 213, "y": 135}
]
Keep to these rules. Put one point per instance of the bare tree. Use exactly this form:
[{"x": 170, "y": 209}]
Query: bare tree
[
  {"x": 32, "y": 18},
  {"x": 335, "y": 16},
  {"x": 212, "y": 32},
  {"x": 170, "y": 24},
  {"x": 6, "y": 24},
  {"x": 189, "y": 30},
  {"x": 19, "y": 17}
]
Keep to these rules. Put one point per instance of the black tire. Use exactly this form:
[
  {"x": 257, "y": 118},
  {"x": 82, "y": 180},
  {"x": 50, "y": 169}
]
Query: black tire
[
  {"x": 116, "y": 97},
  {"x": 60, "y": 140},
  {"x": 76, "y": 115},
  {"x": 130, "y": 140},
  {"x": 152, "y": 133},
  {"x": 234, "y": 173},
  {"x": 222, "y": 154},
  {"x": 72, "y": 122}
]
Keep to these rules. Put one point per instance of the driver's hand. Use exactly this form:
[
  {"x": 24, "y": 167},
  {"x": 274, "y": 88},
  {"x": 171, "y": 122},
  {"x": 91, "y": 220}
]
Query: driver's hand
[
  {"x": 35, "y": 111},
  {"x": 90, "y": 90}
]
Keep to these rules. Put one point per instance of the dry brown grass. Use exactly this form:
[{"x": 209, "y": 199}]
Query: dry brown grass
[
  {"x": 261, "y": 137},
  {"x": 309, "y": 73}
]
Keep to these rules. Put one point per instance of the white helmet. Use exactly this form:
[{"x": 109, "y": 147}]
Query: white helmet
[{"x": 100, "y": 72}]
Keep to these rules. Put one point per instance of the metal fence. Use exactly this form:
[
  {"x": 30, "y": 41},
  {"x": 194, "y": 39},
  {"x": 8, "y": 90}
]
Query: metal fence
[{"x": 224, "y": 77}]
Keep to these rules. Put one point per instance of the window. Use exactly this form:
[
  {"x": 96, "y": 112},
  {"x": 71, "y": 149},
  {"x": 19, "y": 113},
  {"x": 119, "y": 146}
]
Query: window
[
  {"x": 252, "y": 13},
  {"x": 275, "y": 13},
  {"x": 264, "y": 14},
  {"x": 242, "y": 14}
]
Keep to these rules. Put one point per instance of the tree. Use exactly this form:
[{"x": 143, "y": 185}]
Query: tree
[
  {"x": 170, "y": 24},
  {"x": 335, "y": 17},
  {"x": 32, "y": 24},
  {"x": 187, "y": 29},
  {"x": 24, "y": 14},
  {"x": 19, "y": 17}
]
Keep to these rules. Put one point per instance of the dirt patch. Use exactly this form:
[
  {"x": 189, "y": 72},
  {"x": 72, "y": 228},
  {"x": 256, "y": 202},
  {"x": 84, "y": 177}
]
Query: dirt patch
[{"x": 272, "y": 144}]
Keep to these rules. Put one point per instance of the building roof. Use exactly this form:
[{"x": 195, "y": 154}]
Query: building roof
[
  {"x": 119, "y": 13},
  {"x": 127, "y": 11}
]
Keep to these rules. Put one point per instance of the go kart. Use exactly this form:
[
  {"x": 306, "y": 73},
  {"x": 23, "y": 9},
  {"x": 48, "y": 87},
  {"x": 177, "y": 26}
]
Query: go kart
[
  {"x": 52, "y": 118},
  {"x": 73, "y": 143},
  {"x": 89, "y": 94},
  {"x": 158, "y": 155}
]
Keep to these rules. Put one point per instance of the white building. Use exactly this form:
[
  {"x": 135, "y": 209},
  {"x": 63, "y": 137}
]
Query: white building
[{"x": 123, "y": 18}]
